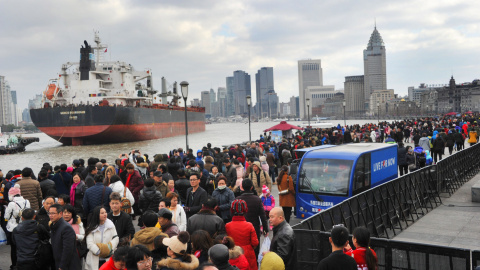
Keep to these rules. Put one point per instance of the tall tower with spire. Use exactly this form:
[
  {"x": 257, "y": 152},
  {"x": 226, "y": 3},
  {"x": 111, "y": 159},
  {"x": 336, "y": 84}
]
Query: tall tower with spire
[{"x": 374, "y": 65}]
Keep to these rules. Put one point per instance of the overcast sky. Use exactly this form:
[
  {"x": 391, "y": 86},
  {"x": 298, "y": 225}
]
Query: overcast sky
[{"x": 204, "y": 41}]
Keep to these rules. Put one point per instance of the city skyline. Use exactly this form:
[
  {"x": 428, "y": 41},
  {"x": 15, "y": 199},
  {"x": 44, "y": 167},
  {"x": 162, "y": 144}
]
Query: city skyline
[{"x": 218, "y": 38}]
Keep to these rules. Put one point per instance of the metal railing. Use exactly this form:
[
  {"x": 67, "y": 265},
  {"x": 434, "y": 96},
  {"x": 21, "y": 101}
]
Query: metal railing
[
  {"x": 385, "y": 210},
  {"x": 313, "y": 246},
  {"x": 390, "y": 208}
]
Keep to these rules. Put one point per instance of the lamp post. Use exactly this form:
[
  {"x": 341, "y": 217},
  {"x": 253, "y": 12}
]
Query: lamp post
[
  {"x": 410, "y": 108},
  {"x": 427, "y": 110},
  {"x": 184, "y": 88},
  {"x": 378, "y": 111},
  {"x": 249, "y": 103},
  {"x": 308, "y": 111},
  {"x": 344, "y": 119}
]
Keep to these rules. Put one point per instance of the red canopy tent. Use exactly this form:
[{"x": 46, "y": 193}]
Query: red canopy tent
[{"x": 283, "y": 126}]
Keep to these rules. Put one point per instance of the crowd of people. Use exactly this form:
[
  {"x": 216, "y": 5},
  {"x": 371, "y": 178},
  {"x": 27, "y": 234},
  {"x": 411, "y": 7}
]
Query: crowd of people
[{"x": 207, "y": 210}]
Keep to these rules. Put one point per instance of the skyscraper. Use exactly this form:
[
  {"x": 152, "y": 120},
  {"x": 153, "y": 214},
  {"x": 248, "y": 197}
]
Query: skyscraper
[
  {"x": 354, "y": 94},
  {"x": 205, "y": 96},
  {"x": 222, "y": 101},
  {"x": 309, "y": 74},
  {"x": 374, "y": 65},
  {"x": 213, "y": 105},
  {"x": 6, "y": 104},
  {"x": 241, "y": 89},
  {"x": 264, "y": 84},
  {"x": 230, "y": 102}
]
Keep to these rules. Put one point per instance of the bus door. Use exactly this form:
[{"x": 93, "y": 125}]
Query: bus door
[{"x": 362, "y": 174}]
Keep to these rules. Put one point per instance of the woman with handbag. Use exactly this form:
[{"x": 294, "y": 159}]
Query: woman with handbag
[
  {"x": 286, "y": 192},
  {"x": 101, "y": 237}
]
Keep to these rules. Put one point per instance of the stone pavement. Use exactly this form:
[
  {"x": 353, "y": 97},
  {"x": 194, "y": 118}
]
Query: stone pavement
[{"x": 455, "y": 223}]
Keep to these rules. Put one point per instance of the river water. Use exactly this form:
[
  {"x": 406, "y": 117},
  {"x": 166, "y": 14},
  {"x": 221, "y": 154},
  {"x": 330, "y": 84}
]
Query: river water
[{"x": 53, "y": 152}]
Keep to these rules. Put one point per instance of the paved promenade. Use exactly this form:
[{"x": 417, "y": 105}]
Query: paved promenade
[{"x": 453, "y": 224}]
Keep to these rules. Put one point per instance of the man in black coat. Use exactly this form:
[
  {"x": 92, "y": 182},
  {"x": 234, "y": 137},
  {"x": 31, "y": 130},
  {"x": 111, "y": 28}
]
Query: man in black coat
[
  {"x": 26, "y": 236},
  {"x": 182, "y": 185},
  {"x": 337, "y": 259},
  {"x": 207, "y": 220},
  {"x": 63, "y": 180},
  {"x": 283, "y": 241},
  {"x": 196, "y": 196},
  {"x": 42, "y": 215},
  {"x": 122, "y": 221},
  {"x": 63, "y": 241},
  {"x": 230, "y": 172},
  {"x": 255, "y": 208}
]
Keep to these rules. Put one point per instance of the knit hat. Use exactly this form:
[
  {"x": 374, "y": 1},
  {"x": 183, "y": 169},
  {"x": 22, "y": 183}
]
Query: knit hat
[
  {"x": 271, "y": 261},
  {"x": 177, "y": 244},
  {"x": 69, "y": 169},
  {"x": 14, "y": 190},
  {"x": 265, "y": 190},
  {"x": 239, "y": 206},
  {"x": 263, "y": 158}
]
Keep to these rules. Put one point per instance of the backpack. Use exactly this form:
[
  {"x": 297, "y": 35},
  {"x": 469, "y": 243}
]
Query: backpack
[
  {"x": 43, "y": 254},
  {"x": 17, "y": 218},
  {"x": 143, "y": 175},
  {"x": 126, "y": 206}
]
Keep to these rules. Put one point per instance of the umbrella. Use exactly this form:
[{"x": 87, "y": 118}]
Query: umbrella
[
  {"x": 283, "y": 126},
  {"x": 451, "y": 113},
  {"x": 469, "y": 112}
]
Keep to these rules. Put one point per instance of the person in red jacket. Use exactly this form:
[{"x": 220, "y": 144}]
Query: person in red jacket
[
  {"x": 117, "y": 261},
  {"x": 135, "y": 184},
  {"x": 237, "y": 258},
  {"x": 365, "y": 257},
  {"x": 243, "y": 232}
]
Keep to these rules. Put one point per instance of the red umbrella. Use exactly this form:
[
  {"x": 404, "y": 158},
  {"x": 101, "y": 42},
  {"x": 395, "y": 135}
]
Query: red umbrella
[
  {"x": 469, "y": 112},
  {"x": 451, "y": 113},
  {"x": 282, "y": 126}
]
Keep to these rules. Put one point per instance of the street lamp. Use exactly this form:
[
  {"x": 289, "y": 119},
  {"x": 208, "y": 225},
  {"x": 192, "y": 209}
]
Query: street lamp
[
  {"x": 308, "y": 110},
  {"x": 378, "y": 112},
  {"x": 184, "y": 87},
  {"x": 344, "y": 119},
  {"x": 249, "y": 103},
  {"x": 410, "y": 109}
]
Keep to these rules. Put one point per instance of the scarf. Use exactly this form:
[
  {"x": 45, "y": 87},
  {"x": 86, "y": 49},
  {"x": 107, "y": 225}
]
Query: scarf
[
  {"x": 72, "y": 193},
  {"x": 75, "y": 227},
  {"x": 128, "y": 180}
]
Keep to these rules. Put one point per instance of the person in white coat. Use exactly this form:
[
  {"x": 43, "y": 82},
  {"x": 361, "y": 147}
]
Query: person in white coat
[
  {"x": 13, "y": 217},
  {"x": 15, "y": 206},
  {"x": 101, "y": 237},
  {"x": 116, "y": 185},
  {"x": 179, "y": 216}
]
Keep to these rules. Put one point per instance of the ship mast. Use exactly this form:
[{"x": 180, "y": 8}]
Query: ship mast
[{"x": 100, "y": 47}]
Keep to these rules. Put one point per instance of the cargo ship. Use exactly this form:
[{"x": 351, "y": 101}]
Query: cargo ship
[{"x": 95, "y": 102}]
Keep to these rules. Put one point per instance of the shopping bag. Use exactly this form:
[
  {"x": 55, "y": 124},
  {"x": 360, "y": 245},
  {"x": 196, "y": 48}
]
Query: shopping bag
[
  {"x": 264, "y": 247},
  {"x": 3, "y": 237}
]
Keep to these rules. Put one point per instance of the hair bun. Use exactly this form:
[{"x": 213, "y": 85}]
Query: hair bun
[{"x": 183, "y": 237}]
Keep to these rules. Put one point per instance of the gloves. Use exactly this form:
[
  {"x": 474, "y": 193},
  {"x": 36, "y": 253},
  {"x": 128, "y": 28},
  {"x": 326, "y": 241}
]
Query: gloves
[{"x": 105, "y": 250}]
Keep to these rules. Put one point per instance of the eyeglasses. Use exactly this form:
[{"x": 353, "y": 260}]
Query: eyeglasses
[
  {"x": 193, "y": 179},
  {"x": 52, "y": 213},
  {"x": 147, "y": 260}
]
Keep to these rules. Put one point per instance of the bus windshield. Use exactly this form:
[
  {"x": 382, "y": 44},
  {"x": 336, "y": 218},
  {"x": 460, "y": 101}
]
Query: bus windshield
[{"x": 325, "y": 176}]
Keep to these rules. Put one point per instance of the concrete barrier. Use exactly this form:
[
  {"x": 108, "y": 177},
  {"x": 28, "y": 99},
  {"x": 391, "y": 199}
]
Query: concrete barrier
[{"x": 476, "y": 192}]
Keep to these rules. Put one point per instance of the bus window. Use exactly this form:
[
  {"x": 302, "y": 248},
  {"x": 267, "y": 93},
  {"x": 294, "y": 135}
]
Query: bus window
[
  {"x": 362, "y": 175},
  {"x": 325, "y": 176}
]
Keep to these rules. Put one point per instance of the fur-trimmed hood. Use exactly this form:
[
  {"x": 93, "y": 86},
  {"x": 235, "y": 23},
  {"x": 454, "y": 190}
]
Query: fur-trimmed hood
[
  {"x": 235, "y": 252},
  {"x": 142, "y": 165},
  {"x": 177, "y": 264}
]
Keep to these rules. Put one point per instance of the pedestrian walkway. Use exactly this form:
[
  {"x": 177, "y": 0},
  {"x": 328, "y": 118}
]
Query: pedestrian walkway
[{"x": 455, "y": 223}]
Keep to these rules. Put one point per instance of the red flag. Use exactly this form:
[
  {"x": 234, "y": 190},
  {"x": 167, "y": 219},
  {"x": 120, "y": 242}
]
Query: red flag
[{"x": 105, "y": 50}]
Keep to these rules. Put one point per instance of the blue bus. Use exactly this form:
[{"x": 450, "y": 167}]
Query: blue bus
[{"x": 328, "y": 175}]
